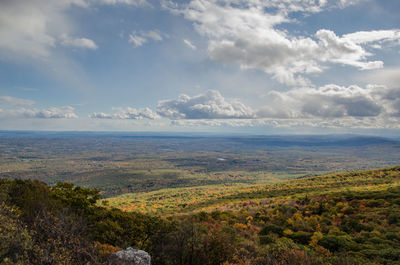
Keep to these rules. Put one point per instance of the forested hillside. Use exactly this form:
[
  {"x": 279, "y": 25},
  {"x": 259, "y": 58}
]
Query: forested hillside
[{"x": 347, "y": 218}]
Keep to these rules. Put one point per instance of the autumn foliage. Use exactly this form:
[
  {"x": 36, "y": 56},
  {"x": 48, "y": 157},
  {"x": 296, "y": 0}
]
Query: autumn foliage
[{"x": 349, "y": 218}]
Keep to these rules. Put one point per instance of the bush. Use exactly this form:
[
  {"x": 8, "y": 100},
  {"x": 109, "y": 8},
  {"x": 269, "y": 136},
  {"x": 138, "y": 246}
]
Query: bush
[
  {"x": 351, "y": 225},
  {"x": 301, "y": 237},
  {"x": 393, "y": 218},
  {"x": 392, "y": 236},
  {"x": 334, "y": 243},
  {"x": 264, "y": 240},
  {"x": 271, "y": 228},
  {"x": 386, "y": 253},
  {"x": 15, "y": 239}
]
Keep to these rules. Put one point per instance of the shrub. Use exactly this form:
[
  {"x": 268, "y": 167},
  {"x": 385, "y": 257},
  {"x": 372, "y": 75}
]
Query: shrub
[
  {"x": 301, "y": 237},
  {"x": 334, "y": 243},
  {"x": 393, "y": 218},
  {"x": 271, "y": 228},
  {"x": 15, "y": 239},
  {"x": 264, "y": 240}
]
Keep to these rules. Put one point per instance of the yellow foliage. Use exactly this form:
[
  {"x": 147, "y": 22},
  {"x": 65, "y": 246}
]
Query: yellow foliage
[
  {"x": 297, "y": 215},
  {"x": 287, "y": 232},
  {"x": 106, "y": 249},
  {"x": 240, "y": 226},
  {"x": 315, "y": 238},
  {"x": 322, "y": 250}
]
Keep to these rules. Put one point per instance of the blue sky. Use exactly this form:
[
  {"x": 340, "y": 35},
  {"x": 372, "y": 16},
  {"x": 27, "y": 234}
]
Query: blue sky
[{"x": 291, "y": 66}]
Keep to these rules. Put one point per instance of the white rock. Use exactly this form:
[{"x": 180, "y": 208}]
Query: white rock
[{"x": 130, "y": 256}]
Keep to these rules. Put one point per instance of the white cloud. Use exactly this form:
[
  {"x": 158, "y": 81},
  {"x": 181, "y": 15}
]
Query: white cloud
[
  {"x": 126, "y": 2},
  {"x": 17, "y": 108},
  {"x": 189, "y": 44},
  {"x": 153, "y": 34},
  {"x": 142, "y": 37},
  {"x": 30, "y": 28},
  {"x": 15, "y": 101},
  {"x": 344, "y": 3},
  {"x": 78, "y": 42},
  {"x": 332, "y": 101},
  {"x": 127, "y": 114},
  {"x": 245, "y": 33},
  {"x": 50, "y": 113},
  {"x": 362, "y": 37},
  {"x": 136, "y": 40},
  {"x": 25, "y": 26},
  {"x": 210, "y": 105},
  {"x": 387, "y": 76},
  {"x": 329, "y": 106},
  {"x": 343, "y": 50}
]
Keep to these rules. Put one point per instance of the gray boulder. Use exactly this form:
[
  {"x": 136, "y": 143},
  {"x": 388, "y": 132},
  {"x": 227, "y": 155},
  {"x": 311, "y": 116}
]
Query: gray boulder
[{"x": 130, "y": 256}]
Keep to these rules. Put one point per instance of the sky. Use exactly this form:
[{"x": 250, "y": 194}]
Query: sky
[{"x": 229, "y": 66}]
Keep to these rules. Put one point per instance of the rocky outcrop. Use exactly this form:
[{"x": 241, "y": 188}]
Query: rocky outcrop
[{"x": 130, "y": 256}]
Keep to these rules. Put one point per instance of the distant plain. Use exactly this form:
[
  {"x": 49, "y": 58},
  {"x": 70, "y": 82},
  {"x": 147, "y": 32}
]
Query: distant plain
[{"x": 163, "y": 173}]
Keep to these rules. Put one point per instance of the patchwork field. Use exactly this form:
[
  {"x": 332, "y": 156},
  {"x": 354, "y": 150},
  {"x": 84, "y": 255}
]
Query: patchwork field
[{"x": 127, "y": 163}]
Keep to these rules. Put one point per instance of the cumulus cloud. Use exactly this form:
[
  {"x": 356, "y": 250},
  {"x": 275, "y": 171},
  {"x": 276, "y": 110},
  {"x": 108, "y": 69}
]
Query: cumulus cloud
[
  {"x": 246, "y": 33},
  {"x": 210, "y": 105},
  {"x": 329, "y": 106},
  {"x": 189, "y": 44},
  {"x": 343, "y": 50},
  {"x": 50, "y": 113},
  {"x": 127, "y": 114},
  {"x": 78, "y": 42},
  {"x": 332, "y": 101},
  {"x": 142, "y": 37}
]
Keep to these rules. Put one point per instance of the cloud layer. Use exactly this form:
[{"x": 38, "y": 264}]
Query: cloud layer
[
  {"x": 50, "y": 113},
  {"x": 12, "y": 107},
  {"x": 329, "y": 106},
  {"x": 15, "y": 101}
]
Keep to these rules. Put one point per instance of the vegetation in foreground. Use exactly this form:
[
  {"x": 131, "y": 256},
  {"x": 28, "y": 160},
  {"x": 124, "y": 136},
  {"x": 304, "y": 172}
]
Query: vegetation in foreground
[{"x": 349, "y": 218}]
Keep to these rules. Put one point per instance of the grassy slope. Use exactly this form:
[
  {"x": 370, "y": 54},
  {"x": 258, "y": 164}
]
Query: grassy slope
[
  {"x": 344, "y": 218},
  {"x": 230, "y": 197}
]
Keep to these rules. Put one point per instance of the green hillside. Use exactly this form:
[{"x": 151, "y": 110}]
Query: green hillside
[
  {"x": 347, "y": 218},
  {"x": 222, "y": 197}
]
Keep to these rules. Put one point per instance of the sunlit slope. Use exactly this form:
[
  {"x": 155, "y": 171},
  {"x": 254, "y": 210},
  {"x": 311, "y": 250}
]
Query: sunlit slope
[{"x": 236, "y": 196}]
